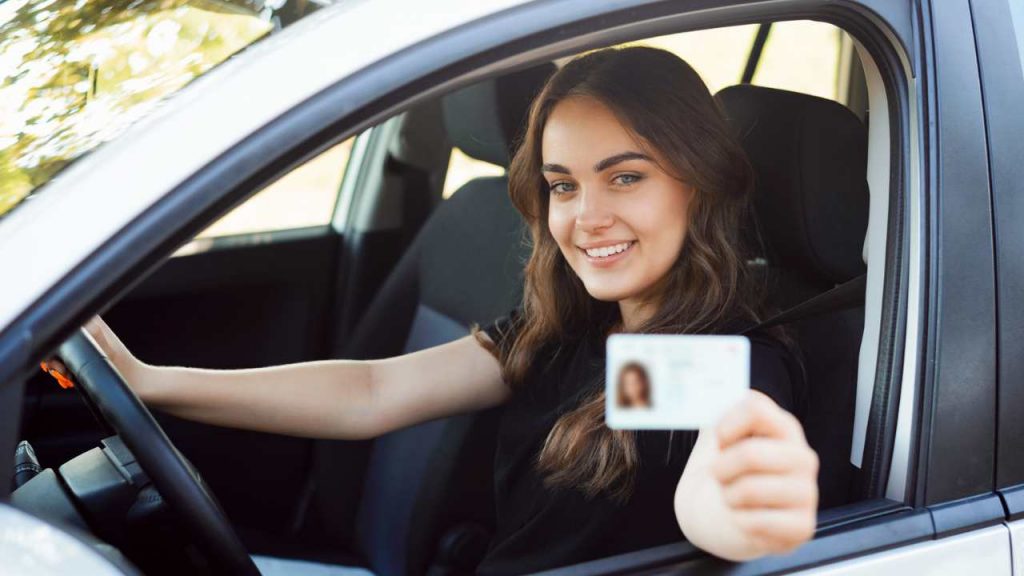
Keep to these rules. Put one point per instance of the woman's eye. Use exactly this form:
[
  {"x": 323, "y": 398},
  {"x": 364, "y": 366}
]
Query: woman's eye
[
  {"x": 560, "y": 187},
  {"x": 627, "y": 179}
]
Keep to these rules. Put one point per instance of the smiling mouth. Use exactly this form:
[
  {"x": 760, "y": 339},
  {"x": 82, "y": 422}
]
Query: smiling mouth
[{"x": 608, "y": 251}]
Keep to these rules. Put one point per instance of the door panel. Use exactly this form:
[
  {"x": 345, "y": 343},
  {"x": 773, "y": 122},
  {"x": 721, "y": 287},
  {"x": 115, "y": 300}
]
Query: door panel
[
  {"x": 985, "y": 551},
  {"x": 1017, "y": 546},
  {"x": 239, "y": 306}
]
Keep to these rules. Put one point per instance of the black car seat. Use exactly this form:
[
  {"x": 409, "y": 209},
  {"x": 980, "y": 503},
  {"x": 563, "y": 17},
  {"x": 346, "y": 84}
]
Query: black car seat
[
  {"x": 429, "y": 482},
  {"x": 811, "y": 206}
]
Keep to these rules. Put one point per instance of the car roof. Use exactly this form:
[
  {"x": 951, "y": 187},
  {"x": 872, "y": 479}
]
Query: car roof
[{"x": 70, "y": 217}]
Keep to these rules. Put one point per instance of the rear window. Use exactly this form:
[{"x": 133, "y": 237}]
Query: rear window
[{"x": 76, "y": 73}]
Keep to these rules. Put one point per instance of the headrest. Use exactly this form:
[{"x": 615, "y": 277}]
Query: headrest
[
  {"x": 811, "y": 193},
  {"x": 483, "y": 120}
]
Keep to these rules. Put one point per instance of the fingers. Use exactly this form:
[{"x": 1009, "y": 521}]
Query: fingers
[
  {"x": 755, "y": 491},
  {"x": 95, "y": 326},
  {"x": 105, "y": 338},
  {"x": 767, "y": 473},
  {"x": 101, "y": 333},
  {"x": 777, "y": 531},
  {"x": 764, "y": 456},
  {"x": 107, "y": 342},
  {"x": 757, "y": 415}
]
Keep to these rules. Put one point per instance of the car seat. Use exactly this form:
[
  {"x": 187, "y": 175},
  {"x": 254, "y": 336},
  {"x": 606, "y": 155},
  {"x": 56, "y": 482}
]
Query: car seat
[
  {"x": 811, "y": 205},
  {"x": 426, "y": 484},
  {"x": 427, "y": 497}
]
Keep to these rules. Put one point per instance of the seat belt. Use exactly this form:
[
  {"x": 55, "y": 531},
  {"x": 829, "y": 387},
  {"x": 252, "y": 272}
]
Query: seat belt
[{"x": 844, "y": 296}]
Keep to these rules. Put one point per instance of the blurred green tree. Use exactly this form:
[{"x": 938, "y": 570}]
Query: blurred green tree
[{"x": 75, "y": 73}]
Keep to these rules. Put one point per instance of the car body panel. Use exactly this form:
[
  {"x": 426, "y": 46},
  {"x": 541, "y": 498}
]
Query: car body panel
[
  {"x": 984, "y": 551},
  {"x": 1017, "y": 545}
]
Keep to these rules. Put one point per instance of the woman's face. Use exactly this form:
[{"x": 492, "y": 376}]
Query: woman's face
[
  {"x": 618, "y": 218},
  {"x": 635, "y": 389}
]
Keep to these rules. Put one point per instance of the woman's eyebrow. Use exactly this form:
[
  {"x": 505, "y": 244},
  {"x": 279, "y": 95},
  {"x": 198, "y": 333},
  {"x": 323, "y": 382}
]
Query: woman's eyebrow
[
  {"x": 621, "y": 157},
  {"x": 555, "y": 168},
  {"x": 602, "y": 165}
]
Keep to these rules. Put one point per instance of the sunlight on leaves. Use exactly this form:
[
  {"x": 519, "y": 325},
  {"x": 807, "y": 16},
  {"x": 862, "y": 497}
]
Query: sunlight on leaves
[{"x": 76, "y": 73}]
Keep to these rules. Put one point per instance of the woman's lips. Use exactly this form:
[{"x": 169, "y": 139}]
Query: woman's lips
[{"x": 606, "y": 261}]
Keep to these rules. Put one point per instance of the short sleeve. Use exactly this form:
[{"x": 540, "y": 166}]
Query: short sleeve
[{"x": 503, "y": 330}]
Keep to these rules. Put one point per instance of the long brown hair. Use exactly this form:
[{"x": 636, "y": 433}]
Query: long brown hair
[{"x": 663, "y": 101}]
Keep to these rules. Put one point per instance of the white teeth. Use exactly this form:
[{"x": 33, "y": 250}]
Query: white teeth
[{"x": 607, "y": 250}]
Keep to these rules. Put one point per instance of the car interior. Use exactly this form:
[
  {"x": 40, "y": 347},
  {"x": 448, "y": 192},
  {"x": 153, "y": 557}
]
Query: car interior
[{"x": 406, "y": 268}]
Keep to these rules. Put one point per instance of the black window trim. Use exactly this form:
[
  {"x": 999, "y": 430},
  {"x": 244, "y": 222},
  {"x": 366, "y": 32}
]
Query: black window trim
[
  {"x": 1002, "y": 80},
  {"x": 958, "y": 396}
]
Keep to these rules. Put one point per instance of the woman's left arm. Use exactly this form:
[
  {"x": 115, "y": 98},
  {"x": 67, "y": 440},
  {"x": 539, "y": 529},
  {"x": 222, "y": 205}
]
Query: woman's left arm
[{"x": 750, "y": 485}]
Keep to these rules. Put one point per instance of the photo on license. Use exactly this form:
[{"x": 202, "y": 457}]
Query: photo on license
[{"x": 673, "y": 382}]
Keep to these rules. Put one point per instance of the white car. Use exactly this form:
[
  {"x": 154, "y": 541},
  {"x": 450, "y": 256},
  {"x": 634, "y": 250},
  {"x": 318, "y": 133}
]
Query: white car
[{"x": 336, "y": 190}]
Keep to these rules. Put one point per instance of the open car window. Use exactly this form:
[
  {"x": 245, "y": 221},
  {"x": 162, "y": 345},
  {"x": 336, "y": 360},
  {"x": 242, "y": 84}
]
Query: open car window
[{"x": 803, "y": 56}]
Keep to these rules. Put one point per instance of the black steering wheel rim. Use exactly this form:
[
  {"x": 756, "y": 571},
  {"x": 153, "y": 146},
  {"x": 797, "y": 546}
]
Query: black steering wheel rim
[{"x": 180, "y": 486}]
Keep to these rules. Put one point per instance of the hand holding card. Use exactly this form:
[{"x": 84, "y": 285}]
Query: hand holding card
[
  {"x": 673, "y": 382},
  {"x": 750, "y": 484}
]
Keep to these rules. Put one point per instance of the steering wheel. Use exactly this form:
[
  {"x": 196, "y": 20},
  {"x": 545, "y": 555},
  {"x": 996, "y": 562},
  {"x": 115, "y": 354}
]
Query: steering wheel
[{"x": 173, "y": 477}]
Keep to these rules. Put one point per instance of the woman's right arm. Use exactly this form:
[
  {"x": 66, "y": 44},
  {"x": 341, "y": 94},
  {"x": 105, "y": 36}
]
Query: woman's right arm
[{"x": 338, "y": 399}]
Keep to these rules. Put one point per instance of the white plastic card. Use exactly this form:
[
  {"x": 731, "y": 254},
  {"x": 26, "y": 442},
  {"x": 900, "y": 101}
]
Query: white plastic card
[{"x": 673, "y": 382}]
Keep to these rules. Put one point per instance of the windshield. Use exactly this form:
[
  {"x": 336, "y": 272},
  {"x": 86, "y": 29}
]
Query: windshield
[{"x": 76, "y": 73}]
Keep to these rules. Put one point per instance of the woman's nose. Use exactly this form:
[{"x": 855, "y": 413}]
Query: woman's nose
[{"x": 592, "y": 213}]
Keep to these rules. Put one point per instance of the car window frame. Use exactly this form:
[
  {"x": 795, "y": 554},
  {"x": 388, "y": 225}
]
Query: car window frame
[
  {"x": 335, "y": 220},
  {"x": 469, "y": 61},
  {"x": 1002, "y": 75},
  {"x": 959, "y": 396}
]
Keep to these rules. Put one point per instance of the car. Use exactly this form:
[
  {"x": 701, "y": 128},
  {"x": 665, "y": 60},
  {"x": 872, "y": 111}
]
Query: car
[{"x": 890, "y": 183}]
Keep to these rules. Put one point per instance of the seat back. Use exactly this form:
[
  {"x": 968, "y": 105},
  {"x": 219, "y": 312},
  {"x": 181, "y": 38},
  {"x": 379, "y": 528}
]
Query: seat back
[
  {"x": 464, "y": 267},
  {"x": 811, "y": 205}
]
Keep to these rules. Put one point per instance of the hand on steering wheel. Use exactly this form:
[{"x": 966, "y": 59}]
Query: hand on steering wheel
[{"x": 180, "y": 486}]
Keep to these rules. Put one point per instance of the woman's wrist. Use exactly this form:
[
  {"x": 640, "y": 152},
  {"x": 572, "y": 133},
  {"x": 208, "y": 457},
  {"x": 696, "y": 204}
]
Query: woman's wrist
[
  {"x": 141, "y": 377},
  {"x": 700, "y": 510}
]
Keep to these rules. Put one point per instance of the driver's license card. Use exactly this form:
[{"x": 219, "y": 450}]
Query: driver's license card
[{"x": 673, "y": 382}]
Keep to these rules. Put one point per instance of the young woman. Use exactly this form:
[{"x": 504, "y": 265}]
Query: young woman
[
  {"x": 635, "y": 193},
  {"x": 633, "y": 389}
]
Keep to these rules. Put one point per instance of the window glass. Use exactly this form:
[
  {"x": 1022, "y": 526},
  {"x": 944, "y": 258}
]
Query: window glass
[
  {"x": 800, "y": 55},
  {"x": 303, "y": 197},
  {"x": 462, "y": 169},
  {"x": 718, "y": 55}
]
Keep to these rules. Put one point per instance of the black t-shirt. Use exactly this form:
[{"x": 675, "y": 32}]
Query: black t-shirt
[{"x": 539, "y": 527}]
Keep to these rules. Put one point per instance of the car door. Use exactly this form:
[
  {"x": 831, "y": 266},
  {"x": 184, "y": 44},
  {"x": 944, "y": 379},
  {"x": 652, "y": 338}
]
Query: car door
[
  {"x": 930, "y": 447},
  {"x": 923, "y": 510},
  {"x": 253, "y": 289},
  {"x": 257, "y": 288},
  {"x": 947, "y": 517}
]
